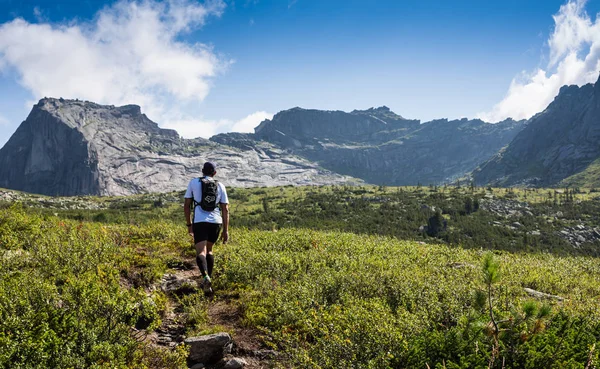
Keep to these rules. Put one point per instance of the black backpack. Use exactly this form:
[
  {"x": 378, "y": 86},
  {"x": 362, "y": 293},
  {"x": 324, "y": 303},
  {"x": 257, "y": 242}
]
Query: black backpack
[{"x": 209, "y": 190}]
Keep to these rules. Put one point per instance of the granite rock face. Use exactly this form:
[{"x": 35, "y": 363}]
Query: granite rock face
[
  {"x": 71, "y": 147},
  {"x": 557, "y": 143},
  {"x": 380, "y": 146}
]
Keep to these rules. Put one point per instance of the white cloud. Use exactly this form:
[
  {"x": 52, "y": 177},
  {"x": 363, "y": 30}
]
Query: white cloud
[
  {"x": 3, "y": 122},
  {"x": 250, "y": 122},
  {"x": 192, "y": 128},
  {"x": 574, "y": 59},
  {"x": 130, "y": 54}
]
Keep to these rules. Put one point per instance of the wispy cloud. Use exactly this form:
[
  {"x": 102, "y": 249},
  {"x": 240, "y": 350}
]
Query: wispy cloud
[
  {"x": 130, "y": 53},
  {"x": 574, "y": 59},
  {"x": 291, "y": 3},
  {"x": 39, "y": 15},
  {"x": 3, "y": 121}
]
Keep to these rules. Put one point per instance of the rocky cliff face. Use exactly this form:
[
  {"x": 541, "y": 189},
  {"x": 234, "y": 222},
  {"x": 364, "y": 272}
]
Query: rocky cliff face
[
  {"x": 560, "y": 142},
  {"x": 380, "y": 146},
  {"x": 70, "y": 147}
]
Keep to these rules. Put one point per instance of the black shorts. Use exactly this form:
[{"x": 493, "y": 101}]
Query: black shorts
[{"x": 204, "y": 231}]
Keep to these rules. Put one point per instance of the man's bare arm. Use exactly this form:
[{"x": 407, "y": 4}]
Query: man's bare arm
[
  {"x": 188, "y": 214},
  {"x": 225, "y": 215}
]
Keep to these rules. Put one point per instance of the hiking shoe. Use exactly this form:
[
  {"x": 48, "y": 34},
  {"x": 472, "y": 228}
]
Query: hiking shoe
[{"x": 206, "y": 283}]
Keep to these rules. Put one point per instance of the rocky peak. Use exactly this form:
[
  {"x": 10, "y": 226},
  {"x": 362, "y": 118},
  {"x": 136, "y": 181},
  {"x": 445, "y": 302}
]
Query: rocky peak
[
  {"x": 557, "y": 143},
  {"x": 92, "y": 118},
  {"x": 382, "y": 112},
  {"x": 73, "y": 147},
  {"x": 308, "y": 126}
]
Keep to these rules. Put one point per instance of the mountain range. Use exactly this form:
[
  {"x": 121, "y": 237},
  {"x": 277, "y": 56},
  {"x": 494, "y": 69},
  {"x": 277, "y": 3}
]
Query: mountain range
[
  {"x": 72, "y": 147},
  {"x": 381, "y": 147}
]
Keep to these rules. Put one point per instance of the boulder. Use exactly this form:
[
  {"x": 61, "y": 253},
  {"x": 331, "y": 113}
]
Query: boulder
[
  {"x": 207, "y": 349},
  {"x": 235, "y": 363},
  {"x": 171, "y": 283}
]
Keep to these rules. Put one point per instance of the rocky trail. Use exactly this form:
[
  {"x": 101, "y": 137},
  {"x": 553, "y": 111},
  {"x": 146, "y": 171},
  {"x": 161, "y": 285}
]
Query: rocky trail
[{"x": 233, "y": 346}]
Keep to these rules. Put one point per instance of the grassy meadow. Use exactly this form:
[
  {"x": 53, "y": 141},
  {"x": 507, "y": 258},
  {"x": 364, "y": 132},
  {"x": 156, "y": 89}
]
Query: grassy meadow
[{"x": 329, "y": 277}]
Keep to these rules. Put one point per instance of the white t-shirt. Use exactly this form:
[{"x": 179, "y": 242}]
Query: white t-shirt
[{"x": 194, "y": 191}]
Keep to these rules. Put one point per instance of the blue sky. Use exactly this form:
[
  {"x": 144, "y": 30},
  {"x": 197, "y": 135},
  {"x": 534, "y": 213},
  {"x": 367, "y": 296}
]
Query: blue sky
[{"x": 423, "y": 59}]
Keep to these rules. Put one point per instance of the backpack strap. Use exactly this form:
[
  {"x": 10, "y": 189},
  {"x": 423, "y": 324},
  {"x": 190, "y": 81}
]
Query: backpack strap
[{"x": 194, "y": 202}]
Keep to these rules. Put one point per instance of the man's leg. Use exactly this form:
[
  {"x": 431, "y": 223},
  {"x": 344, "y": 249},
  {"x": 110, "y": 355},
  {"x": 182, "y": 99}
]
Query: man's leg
[
  {"x": 210, "y": 258},
  {"x": 212, "y": 237},
  {"x": 201, "y": 257}
]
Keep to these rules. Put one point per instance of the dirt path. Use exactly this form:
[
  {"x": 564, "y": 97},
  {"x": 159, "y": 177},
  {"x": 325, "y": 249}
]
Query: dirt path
[{"x": 224, "y": 315}]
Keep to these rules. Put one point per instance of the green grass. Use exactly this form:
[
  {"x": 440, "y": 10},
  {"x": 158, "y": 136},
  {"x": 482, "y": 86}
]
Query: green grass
[
  {"x": 332, "y": 276},
  {"x": 71, "y": 292},
  {"x": 341, "y": 300}
]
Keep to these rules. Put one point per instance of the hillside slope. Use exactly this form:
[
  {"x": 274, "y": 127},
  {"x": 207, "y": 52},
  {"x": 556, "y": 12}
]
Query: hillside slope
[
  {"x": 558, "y": 143},
  {"x": 71, "y": 147}
]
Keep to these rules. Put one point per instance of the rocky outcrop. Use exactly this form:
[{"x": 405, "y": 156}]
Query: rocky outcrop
[
  {"x": 207, "y": 349},
  {"x": 71, "y": 147},
  {"x": 380, "y": 146},
  {"x": 557, "y": 143}
]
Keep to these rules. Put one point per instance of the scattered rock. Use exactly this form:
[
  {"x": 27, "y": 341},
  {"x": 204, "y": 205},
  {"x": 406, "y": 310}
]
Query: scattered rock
[
  {"x": 505, "y": 208},
  {"x": 265, "y": 354},
  {"x": 171, "y": 283},
  {"x": 579, "y": 235},
  {"x": 235, "y": 363},
  {"x": 517, "y": 225},
  {"x": 197, "y": 366},
  {"x": 207, "y": 349},
  {"x": 542, "y": 295},
  {"x": 164, "y": 339}
]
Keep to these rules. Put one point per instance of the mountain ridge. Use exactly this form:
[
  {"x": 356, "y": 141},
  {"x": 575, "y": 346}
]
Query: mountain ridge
[
  {"x": 74, "y": 147},
  {"x": 379, "y": 146},
  {"x": 558, "y": 143}
]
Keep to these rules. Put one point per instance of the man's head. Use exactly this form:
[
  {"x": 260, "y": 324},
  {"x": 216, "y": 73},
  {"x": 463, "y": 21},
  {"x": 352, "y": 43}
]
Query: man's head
[{"x": 209, "y": 169}]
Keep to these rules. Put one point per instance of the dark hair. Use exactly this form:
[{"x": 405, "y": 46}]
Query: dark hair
[{"x": 208, "y": 169}]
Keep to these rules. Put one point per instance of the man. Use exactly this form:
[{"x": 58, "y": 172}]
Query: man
[{"x": 211, "y": 211}]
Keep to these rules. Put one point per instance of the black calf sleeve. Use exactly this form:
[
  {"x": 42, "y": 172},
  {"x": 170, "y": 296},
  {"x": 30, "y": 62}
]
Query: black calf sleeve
[
  {"x": 210, "y": 262},
  {"x": 201, "y": 261}
]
